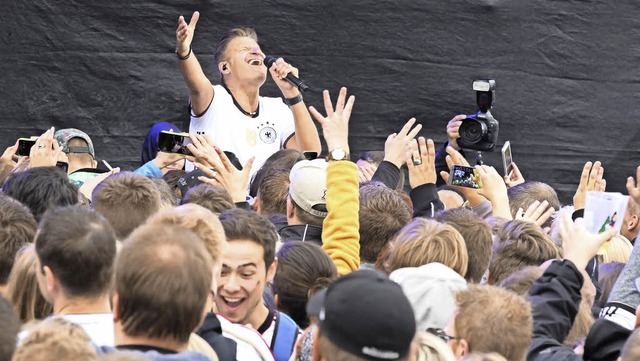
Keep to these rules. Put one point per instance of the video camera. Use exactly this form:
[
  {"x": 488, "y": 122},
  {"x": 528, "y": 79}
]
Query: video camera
[{"x": 480, "y": 131}]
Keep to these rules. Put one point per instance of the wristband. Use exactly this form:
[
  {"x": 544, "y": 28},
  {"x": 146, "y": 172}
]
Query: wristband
[
  {"x": 293, "y": 101},
  {"x": 184, "y": 57}
]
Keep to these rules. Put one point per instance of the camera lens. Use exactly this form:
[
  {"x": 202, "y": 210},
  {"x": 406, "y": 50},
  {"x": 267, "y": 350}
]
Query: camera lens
[{"x": 472, "y": 131}]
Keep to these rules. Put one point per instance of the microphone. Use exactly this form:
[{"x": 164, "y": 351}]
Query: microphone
[{"x": 292, "y": 79}]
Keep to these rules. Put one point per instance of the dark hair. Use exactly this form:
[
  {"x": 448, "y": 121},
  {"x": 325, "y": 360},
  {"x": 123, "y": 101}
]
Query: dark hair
[
  {"x": 302, "y": 268},
  {"x": 523, "y": 195},
  {"x": 219, "y": 54},
  {"x": 167, "y": 195},
  {"x": 282, "y": 159},
  {"x": 274, "y": 191},
  {"x": 9, "y": 329},
  {"x": 477, "y": 237},
  {"x": 79, "y": 247},
  {"x": 126, "y": 199},
  {"x": 213, "y": 198},
  {"x": 307, "y": 218},
  {"x": 17, "y": 228},
  {"x": 41, "y": 188},
  {"x": 163, "y": 278},
  {"x": 241, "y": 224},
  {"x": 382, "y": 214},
  {"x": 608, "y": 274}
]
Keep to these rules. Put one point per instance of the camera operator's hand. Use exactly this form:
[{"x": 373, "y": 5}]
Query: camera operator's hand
[
  {"x": 494, "y": 190},
  {"x": 453, "y": 128},
  {"x": 537, "y": 213},
  {"x": 590, "y": 180},
  {"x": 455, "y": 158},
  {"x": 184, "y": 34},
  {"x": 46, "y": 151},
  {"x": 397, "y": 147},
  {"x": 422, "y": 169},
  {"x": 578, "y": 245}
]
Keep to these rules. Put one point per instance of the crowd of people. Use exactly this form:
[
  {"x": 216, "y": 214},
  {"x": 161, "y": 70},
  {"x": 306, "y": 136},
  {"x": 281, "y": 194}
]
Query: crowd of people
[{"x": 255, "y": 248}]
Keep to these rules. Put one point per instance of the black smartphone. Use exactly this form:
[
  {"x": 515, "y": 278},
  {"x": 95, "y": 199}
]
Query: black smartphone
[
  {"x": 463, "y": 176},
  {"x": 507, "y": 160},
  {"x": 310, "y": 155},
  {"x": 24, "y": 146},
  {"x": 173, "y": 142}
]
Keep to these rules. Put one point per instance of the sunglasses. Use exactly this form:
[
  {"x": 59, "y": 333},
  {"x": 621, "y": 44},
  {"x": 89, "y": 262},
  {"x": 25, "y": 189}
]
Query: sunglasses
[{"x": 441, "y": 334}]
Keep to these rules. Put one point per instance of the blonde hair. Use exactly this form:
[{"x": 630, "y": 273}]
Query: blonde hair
[
  {"x": 22, "y": 288},
  {"x": 484, "y": 357},
  {"x": 201, "y": 221},
  {"x": 618, "y": 250},
  {"x": 425, "y": 241},
  {"x": 56, "y": 339},
  {"x": 431, "y": 348}
]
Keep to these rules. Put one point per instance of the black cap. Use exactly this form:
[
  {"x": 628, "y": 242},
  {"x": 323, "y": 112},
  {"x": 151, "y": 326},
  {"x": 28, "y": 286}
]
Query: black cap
[{"x": 368, "y": 315}]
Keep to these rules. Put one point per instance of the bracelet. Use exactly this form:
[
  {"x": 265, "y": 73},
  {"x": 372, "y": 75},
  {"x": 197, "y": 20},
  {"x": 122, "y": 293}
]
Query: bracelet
[
  {"x": 184, "y": 57},
  {"x": 293, "y": 101}
]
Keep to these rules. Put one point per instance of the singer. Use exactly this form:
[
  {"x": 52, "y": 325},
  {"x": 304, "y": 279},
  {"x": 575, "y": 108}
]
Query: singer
[{"x": 233, "y": 114}]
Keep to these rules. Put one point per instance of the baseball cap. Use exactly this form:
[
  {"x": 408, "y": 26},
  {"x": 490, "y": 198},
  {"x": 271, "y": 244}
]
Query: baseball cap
[
  {"x": 63, "y": 136},
  {"x": 308, "y": 187},
  {"x": 366, "y": 314}
]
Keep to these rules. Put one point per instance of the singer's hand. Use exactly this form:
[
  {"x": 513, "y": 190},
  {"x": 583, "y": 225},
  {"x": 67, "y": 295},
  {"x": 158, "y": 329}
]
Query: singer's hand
[
  {"x": 184, "y": 33},
  {"x": 279, "y": 70}
]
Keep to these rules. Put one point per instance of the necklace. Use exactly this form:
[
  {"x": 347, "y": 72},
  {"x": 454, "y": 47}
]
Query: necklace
[{"x": 235, "y": 102}]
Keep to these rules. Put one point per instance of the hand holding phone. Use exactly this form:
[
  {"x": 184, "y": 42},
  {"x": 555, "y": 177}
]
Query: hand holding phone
[
  {"x": 24, "y": 146},
  {"x": 507, "y": 160},
  {"x": 463, "y": 176}
]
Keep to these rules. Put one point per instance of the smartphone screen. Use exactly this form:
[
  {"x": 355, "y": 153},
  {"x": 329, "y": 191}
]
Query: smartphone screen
[
  {"x": 172, "y": 142},
  {"x": 507, "y": 161},
  {"x": 462, "y": 176},
  {"x": 24, "y": 146}
]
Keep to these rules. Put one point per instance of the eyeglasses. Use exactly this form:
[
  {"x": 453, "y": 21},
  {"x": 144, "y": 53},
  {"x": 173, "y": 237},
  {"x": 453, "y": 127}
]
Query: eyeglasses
[{"x": 441, "y": 334}]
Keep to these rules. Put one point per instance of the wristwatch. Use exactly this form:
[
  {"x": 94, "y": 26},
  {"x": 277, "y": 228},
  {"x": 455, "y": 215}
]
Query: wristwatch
[{"x": 337, "y": 154}]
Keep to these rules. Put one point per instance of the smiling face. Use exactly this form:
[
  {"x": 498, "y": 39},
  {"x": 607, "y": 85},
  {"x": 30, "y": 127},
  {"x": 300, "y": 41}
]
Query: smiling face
[
  {"x": 244, "y": 61},
  {"x": 241, "y": 283}
]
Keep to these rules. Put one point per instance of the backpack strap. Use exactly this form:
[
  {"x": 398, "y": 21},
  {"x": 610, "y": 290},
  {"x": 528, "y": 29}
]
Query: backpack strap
[{"x": 284, "y": 337}]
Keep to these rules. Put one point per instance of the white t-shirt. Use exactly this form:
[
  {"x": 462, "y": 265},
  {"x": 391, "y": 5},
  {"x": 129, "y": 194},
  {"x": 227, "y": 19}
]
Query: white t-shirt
[
  {"x": 99, "y": 326},
  {"x": 246, "y": 137}
]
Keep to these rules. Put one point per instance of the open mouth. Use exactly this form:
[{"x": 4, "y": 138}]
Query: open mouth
[
  {"x": 255, "y": 61},
  {"x": 232, "y": 302}
]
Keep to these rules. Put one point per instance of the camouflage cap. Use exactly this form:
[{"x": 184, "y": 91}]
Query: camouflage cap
[{"x": 63, "y": 136}]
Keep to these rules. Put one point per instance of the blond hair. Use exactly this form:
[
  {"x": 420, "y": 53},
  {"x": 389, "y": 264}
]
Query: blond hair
[
  {"x": 482, "y": 308},
  {"x": 618, "y": 250},
  {"x": 484, "y": 357},
  {"x": 56, "y": 339},
  {"x": 431, "y": 348},
  {"x": 22, "y": 288},
  {"x": 424, "y": 241}
]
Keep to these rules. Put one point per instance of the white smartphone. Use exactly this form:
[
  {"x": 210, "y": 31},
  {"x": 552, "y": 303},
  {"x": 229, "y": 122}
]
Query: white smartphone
[{"x": 507, "y": 160}]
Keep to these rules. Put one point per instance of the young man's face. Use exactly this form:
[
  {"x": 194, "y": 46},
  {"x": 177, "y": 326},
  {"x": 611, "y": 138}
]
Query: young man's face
[{"x": 241, "y": 282}]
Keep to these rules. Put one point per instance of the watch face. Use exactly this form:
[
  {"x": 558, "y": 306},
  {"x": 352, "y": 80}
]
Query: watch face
[{"x": 338, "y": 154}]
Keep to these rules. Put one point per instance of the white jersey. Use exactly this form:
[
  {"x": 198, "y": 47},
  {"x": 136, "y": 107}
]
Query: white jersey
[{"x": 233, "y": 131}]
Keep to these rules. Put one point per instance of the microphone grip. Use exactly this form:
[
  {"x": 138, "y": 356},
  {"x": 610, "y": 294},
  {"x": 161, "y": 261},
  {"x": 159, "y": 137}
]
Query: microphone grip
[{"x": 292, "y": 79}]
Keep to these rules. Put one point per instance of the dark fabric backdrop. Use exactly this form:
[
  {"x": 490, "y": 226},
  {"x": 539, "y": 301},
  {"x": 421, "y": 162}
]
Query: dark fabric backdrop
[{"x": 566, "y": 71}]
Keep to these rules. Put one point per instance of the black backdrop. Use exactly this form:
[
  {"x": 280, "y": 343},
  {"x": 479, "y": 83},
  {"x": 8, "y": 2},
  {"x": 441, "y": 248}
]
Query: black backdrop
[{"x": 566, "y": 71}]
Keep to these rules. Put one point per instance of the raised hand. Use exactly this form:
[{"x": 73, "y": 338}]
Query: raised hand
[
  {"x": 184, "y": 34},
  {"x": 9, "y": 157},
  {"x": 494, "y": 189},
  {"x": 397, "y": 147},
  {"x": 537, "y": 213},
  {"x": 453, "y": 128},
  {"x": 366, "y": 171},
  {"x": 590, "y": 180},
  {"x": 454, "y": 157},
  {"x": 422, "y": 169},
  {"x": 578, "y": 245},
  {"x": 225, "y": 174},
  {"x": 515, "y": 177},
  {"x": 46, "y": 151},
  {"x": 335, "y": 126},
  {"x": 634, "y": 191}
]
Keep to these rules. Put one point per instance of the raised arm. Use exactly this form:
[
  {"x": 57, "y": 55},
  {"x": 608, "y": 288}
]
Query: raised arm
[{"x": 200, "y": 89}]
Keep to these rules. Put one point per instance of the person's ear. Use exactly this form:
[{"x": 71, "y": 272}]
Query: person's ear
[
  {"x": 633, "y": 222},
  {"x": 291, "y": 212},
  {"x": 50, "y": 280},
  {"x": 271, "y": 272},
  {"x": 256, "y": 203},
  {"x": 460, "y": 348},
  {"x": 276, "y": 300},
  {"x": 224, "y": 67}
]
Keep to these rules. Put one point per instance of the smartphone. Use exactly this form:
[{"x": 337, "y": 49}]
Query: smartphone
[
  {"x": 24, "y": 146},
  {"x": 463, "y": 176},
  {"x": 507, "y": 161},
  {"x": 310, "y": 155},
  {"x": 173, "y": 142}
]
